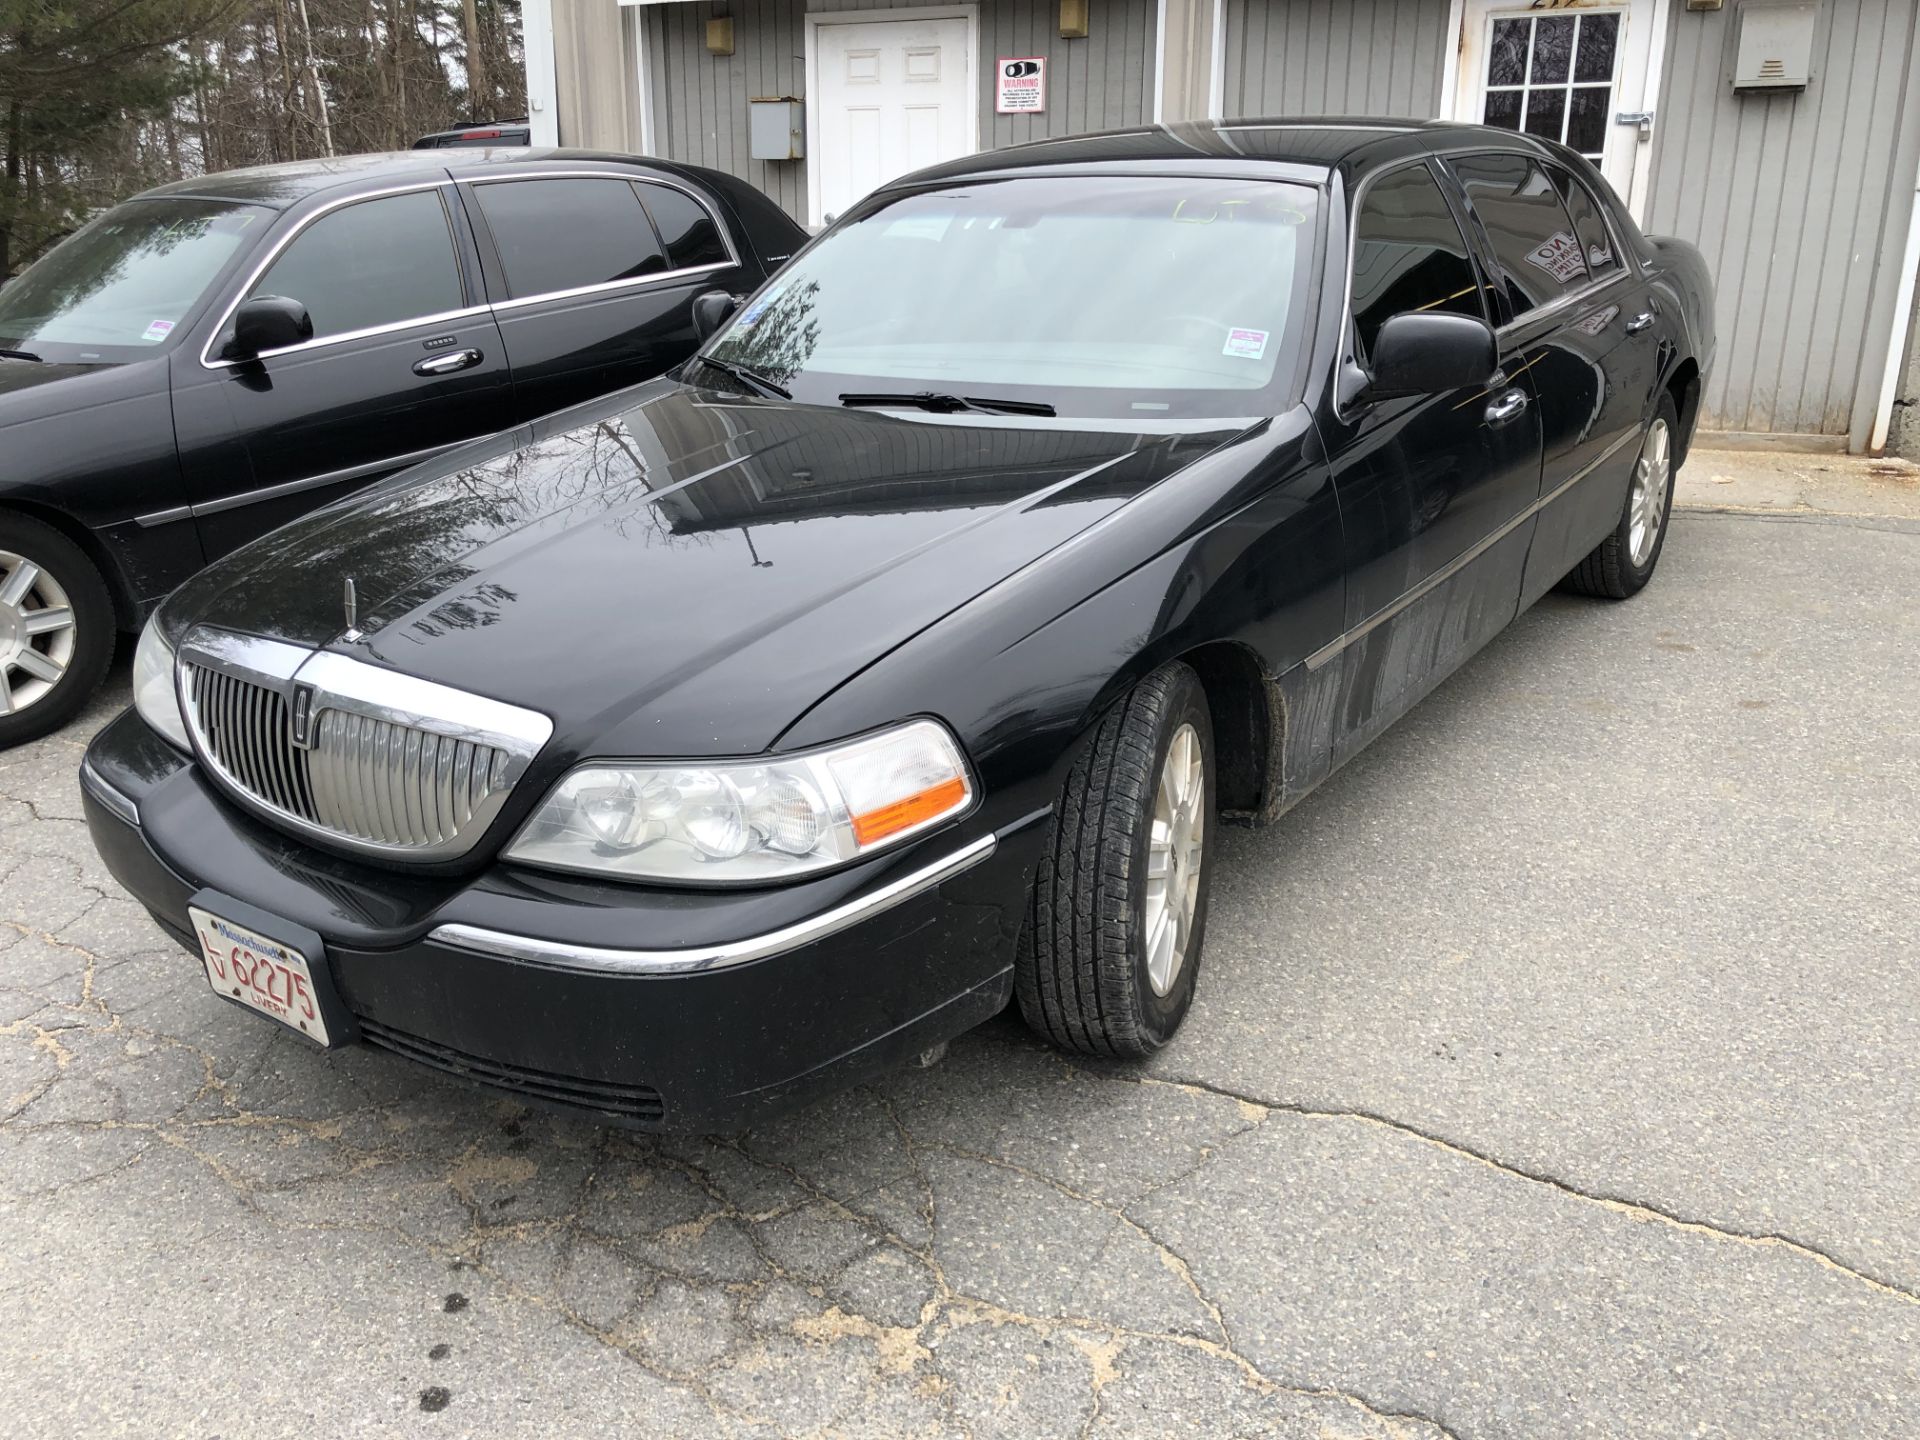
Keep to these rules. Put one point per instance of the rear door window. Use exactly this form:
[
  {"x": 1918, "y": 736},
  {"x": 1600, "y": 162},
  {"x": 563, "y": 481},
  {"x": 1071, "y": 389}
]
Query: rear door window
[
  {"x": 373, "y": 263},
  {"x": 566, "y": 234},
  {"x": 1409, "y": 254},
  {"x": 685, "y": 225},
  {"x": 1532, "y": 234},
  {"x": 1589, "y": 227}
]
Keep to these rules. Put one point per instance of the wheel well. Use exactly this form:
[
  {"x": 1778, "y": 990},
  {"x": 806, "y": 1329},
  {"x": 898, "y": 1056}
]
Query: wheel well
[
  {"x": 1684, "y": 386},
  {"x": 1243, "y": 724},
  {"x": 126, "y": 610}
]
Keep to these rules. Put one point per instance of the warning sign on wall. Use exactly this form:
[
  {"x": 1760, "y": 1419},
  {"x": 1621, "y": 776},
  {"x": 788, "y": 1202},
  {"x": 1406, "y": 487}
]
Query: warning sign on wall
[{"x": 1022, "y": 85}]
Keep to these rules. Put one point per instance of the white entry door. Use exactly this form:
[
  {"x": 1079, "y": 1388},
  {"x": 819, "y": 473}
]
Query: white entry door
[
  {"x": 1566, "y": 70},
  {"x": 889, "y": 96}
]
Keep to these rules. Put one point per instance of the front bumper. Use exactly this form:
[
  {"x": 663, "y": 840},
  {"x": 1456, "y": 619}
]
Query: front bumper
[{"x": 657, "y": 1009}]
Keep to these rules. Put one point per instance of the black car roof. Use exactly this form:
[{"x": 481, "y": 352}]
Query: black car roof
[
  {"x": 284, "y": 185},
  {"x": 1306, "y": 144}
]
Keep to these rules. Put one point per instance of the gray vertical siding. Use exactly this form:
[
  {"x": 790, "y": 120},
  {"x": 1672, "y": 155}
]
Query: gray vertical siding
[
  {"x": 1335, "y": 57},
  {"x": 1789, "y": 196},
  {"x": 700, "y": 100}
]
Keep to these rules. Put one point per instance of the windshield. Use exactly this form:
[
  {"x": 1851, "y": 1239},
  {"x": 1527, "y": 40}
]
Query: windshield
[
  {"x": 1128, "y": 297},
  {"x": 117, "y": 288}
]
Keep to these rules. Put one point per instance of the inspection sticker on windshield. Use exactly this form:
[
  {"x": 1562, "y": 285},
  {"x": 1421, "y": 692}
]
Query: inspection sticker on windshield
[
  {"x": 157, "y": 330},
  {"x": 1246, "y": 344}
]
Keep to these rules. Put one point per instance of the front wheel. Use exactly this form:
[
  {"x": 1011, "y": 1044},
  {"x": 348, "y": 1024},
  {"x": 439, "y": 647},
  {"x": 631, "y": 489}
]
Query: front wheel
[
  {"x": 1621, "y": 564},
  {"x": 57, "y": 631},
  {"x": 1119, "y": 910}
]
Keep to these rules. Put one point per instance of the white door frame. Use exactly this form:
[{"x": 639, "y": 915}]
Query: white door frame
[
  {"x": 1460, "y": 83},
  {"x": 817, "y": 18}
]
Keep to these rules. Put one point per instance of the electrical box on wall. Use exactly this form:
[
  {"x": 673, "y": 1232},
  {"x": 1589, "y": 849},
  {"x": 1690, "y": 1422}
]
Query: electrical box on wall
[
  {"x": 1775, "y": 47},
  {"x": 776, "y": 128}
]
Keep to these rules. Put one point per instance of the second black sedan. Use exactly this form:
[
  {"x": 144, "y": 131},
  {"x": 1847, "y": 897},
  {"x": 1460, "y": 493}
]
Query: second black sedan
[
  {"x": 215, "y": 357},
  {"x": 721, "y": 741}
]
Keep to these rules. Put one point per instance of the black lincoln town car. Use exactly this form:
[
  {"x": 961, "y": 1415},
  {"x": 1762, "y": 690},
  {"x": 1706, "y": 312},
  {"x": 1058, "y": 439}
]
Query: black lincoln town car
[
  {"x": 216, "y": 357},
  {"x": 721, "y": 741}
]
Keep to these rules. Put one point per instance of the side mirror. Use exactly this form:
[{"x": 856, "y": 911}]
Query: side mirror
[
  {"x": 268, "y": 322},
  {"x": 711, "y": 309},
  {"x": 1422, "y": 354}
]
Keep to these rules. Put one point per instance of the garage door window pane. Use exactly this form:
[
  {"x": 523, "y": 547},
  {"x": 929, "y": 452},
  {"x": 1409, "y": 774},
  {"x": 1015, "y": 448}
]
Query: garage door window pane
[
  {"x": 684, "y": 224},
  {"x": 1408, "y": 254},
  {"x": 1531, "y": 231},
  {"x": 565, "y": 234},
  {"x": 379, "y": 262}
]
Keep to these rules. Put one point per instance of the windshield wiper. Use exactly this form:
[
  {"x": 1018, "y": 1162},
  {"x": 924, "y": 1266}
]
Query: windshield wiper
[
  {"x": 747, "y": 376},
  {"x": 22, "y": 355},
  {"x": 948, "y": 404}
]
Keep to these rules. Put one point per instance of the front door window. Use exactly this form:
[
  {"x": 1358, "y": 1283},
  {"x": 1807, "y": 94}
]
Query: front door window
[{"x": 1553, "y": 76}]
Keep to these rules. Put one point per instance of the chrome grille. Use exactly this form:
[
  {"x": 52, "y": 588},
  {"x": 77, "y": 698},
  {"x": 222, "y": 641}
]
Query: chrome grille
[{"x": 394, "y": 766}]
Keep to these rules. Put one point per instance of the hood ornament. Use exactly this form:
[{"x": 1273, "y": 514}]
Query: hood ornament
[{"x": 353, "y": 633}]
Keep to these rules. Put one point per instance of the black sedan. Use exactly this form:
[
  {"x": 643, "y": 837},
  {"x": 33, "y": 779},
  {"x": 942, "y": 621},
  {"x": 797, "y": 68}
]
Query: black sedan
[
  {"x": 724, "y": 740},
  {"x": 218, "y": 356}
]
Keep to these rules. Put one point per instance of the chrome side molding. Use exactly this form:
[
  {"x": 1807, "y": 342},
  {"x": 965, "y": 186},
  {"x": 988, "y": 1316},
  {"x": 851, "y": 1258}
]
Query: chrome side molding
[{"x": 591, "y": 960}]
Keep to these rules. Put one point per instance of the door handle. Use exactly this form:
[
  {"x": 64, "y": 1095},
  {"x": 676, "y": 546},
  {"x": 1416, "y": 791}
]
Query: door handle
[
  {"x": 1507, "y": 406},
  {"x": 1640, "y": 322},
  {"x": 448, "y": 363}
]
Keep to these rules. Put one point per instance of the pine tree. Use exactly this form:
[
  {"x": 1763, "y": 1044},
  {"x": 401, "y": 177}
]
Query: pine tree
[{"x": 81, "y": 82}]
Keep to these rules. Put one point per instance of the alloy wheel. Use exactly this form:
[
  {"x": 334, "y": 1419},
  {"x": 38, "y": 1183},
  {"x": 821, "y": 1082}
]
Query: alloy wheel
[
  {"x": 37, "y": 633},
  {"x": 1647, "y": 504},
  {"x": 1174, "y": 846}
]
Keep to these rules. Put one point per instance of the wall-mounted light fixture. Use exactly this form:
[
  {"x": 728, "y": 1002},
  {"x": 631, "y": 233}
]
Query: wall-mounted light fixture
[
  {"x": 1073, "y": 19},
  {"x": 720, "y": 36}
]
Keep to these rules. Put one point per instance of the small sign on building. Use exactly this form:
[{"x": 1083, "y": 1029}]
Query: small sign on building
[{"x": 1021, "y": 86}]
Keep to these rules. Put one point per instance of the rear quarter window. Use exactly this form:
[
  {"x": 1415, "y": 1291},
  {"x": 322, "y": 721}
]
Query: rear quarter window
[
  {"x": 686, "y": 226},
  {"x": 1533, "y": 237}
]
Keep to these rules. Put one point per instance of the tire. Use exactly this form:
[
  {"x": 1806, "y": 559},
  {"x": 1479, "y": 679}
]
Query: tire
[
  {"x": 1085, "y": 974},
  {"x": 48, "y": 670},
  {"x": 1618, "y": 568}
]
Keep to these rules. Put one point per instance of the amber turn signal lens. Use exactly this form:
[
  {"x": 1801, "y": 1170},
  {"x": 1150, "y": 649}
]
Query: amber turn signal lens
[{"x": 915, "y": 810}]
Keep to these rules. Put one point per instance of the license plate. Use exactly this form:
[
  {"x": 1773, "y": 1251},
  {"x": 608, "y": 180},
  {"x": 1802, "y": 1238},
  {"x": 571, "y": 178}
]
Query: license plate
[{"x": 260, "y": 973}]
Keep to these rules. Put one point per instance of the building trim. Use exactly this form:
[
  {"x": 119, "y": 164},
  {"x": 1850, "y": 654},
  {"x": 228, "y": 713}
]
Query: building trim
[
  {"x": 1890, "y": 296},
  {"x": 1159, "y": 61},
  {"x": 1217, "y": 67},
  {"x": 637, "y": 17},
  {"x": 1449, "y": 106},
  {"x": 543, "y": 85},
  {"x": 815, "y": 19}
]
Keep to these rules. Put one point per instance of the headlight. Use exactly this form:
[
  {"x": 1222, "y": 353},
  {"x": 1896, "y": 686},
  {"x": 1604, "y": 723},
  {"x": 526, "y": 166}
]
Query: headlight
[
  {"x": 738, "y": 821},
  {"x": 154, "y": 695}
]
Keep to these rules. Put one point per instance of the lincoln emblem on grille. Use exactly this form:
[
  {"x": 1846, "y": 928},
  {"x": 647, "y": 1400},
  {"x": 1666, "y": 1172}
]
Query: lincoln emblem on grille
[
  {"x": 352, "y": 632},
  {"x": 303, "y": 716}
]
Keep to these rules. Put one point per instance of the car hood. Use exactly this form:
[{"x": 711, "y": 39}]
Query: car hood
[{"x": 679, "y": 571}]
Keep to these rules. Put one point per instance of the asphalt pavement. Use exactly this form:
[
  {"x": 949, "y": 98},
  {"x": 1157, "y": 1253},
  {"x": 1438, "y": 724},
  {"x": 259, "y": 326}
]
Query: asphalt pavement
[{"x": 1554, "y": 1073}]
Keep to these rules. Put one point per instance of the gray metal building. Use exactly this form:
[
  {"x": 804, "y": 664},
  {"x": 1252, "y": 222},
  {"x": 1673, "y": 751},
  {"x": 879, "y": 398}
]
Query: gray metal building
[{"x": 1781, "y": 136}]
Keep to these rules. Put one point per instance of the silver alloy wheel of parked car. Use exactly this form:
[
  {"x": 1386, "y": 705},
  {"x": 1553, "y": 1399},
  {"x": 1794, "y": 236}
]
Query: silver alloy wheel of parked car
[
  {"x": 1652, "y": 478},
  {"x": 37, "y": 632},
  {"x": 1174, "y": 854}
]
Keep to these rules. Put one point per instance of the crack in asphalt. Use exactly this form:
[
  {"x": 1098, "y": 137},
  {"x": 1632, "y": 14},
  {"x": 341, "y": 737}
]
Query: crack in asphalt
[{"x": 1637, "y": 1209}]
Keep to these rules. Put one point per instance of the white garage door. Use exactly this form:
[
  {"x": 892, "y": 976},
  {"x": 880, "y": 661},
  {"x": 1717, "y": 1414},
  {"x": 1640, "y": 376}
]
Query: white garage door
[{"x": 890, "y": 96}]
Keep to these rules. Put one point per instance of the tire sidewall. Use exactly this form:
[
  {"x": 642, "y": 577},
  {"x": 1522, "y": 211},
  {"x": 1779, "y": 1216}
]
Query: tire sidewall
[
  {"x": 1636, "y": 576},
  {"x": 1160, "y": 1015},
  {"x": 97, "y": 631}
]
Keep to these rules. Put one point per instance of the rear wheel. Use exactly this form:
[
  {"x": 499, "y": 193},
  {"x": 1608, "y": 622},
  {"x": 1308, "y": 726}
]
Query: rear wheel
[
  {"x": 1621, "y": 564},
  {"x": 1120, "y": 902},
  {"x": 57, "y": 629}
]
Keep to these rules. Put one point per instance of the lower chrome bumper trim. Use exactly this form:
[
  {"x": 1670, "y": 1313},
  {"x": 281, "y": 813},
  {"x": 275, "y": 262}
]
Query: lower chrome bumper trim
[
  {"x": 121, "y": 804},
  {"x": 590, "y": 960}
]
